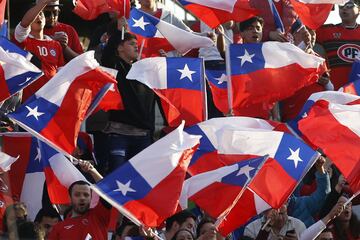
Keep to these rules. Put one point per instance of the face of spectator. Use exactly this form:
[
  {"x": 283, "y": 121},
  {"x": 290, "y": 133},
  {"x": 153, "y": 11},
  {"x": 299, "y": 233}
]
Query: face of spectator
[
  {"x": 128, "y": 50},
  {"x": 39, "y": 23},
  {"x": 253, "y": 34},
  {"x": 325, "y": 236},
  {"x": 80, "y": 198},
  {"x": 348, "y": 12},
  {"x": 282, "y": 216},
  {"x": 51, "y": 16},
  {"x": 184, "y": 235},
  {"x": 189, "y": 224},
  {"x": 208, "y": 229},
  {"x": 47, "y": 223},
  {"x": 346, "y": 214},
  {"x": 147, "y": 3}
]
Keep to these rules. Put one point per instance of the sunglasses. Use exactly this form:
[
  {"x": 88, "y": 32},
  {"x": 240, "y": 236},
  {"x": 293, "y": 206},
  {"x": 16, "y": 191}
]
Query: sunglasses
[
  {"x": 348, "y": 5},
  {"x": 54, "y": 13}
]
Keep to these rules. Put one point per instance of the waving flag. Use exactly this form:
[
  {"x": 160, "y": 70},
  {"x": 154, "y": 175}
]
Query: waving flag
[
  {"x": 179, "y": 82},
  {"x": 331, "y": 96},
  {"x": 214, "y": 13},
  {"x": 91, "y": 9},
  {"x": 339, "y": 138},
  {"x": 55, "y": 112},
  {"x": 277, "y": 19},
  {"x": 59, "y": 173},
  {"x": 147, "y": 187},
  {"x": 216, "y": 191},
  {"x": 4, "y": 29},
  {"x": 217, "y": 80},
  {"x": 148, "y": 26},
  {"x": 16, "y": 73},
  {"x": 9, "y": 46},
  {"x": 26, "y": 177},
  {"x": 2, "y": 11},
  {"x": 354, "y": 79},
  {"x": 313, "y": 13},
  {"x": 259, "y": 72},
  {"x": 289, "y": 160},
  {"x": 206, "y": 156}
]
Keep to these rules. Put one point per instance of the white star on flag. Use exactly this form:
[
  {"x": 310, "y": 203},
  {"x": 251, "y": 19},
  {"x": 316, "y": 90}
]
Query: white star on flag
[
  {"x": 27, "y": 79},
  {"x": 140, "y": 23},
  {"x": 34, "y": 112},
  {"x": 246, "y": 57},
  {"x": 304, "y": 115},
  {"x": 186, "y": 73},
  {"x": 223, "y": 78},
  {"x": 294, "y": 156},
  {"x": 245, "y": 170},
  {"x": 38, "y": 155},
  {"x": 124, "y": 188}
]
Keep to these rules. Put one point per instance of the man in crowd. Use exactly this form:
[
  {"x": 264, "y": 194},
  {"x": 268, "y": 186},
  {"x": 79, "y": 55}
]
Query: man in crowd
[
  {"x": 61, "y": 32},
  {"x": 341, "y": 43},
  {"x": 82, "y": 222},
  {"x": 184, "y": 219},
  {"x": 46, "y": 219}
]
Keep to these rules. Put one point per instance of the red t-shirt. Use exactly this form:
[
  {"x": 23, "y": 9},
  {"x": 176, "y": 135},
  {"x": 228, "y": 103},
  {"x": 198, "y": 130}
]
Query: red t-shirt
[
  {"x": 73, "y": 37},
  {"x": 94, "y": 223},
  {"x": 51, "y": 56},
  {"x": 342, "y": 46}
]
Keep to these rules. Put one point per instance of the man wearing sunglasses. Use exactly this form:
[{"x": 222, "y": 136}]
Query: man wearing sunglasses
[
  {"x": 341, "y": 43},
  {"x": 61, "y": 32}
]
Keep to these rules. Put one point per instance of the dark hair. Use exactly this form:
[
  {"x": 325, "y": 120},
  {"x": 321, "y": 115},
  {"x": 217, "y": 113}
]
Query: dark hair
[
  {"x": 183, "y": 229},
  {"x": 247, "y": 23},
  {"x": 26, "y": 230},
  {"x": 109, "y": 55},
  {"x": 353, "y": 227},
  {"x": 202, "y": 223},
  {"x": 80, "y": 182},
  {"x": 122, "y": 227},
  {"x": 47, "y": 212},
  {"x": 179, "y": 217}
]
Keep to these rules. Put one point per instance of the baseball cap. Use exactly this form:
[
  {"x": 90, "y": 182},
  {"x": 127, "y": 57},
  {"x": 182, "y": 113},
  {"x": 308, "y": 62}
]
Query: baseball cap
[{"x": 51, "y": 4}]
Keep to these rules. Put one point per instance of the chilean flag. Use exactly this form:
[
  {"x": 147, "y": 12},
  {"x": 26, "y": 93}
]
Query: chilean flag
[
  {"x": 9, "y": 46},
  {"x": 330, "y": 96},
  {"x": 335, "y": 129},
  {"x": 54, "y": 114},
  {"x": 2, "y": 11},
  {"x": 146, "y": 189},
  {"x": 218, "y": 192},
  {"x": 206, "y": 156},
  {"x": 313, "y": 13},
  {"x": 353, "y": 86},
  {"x": 26, "y": 177},
  {"x": 259, "y": 72},
  {"x": 60, "y": 173},
  {"x": 16, "y": 73},
  {"x": 144, "y": 24},
  {"x": 217, "y": 80},
  {"x": 214, "y": 13},
  {"x": 277, "y": 19},
  {"x": 289, "y": 160},
  {"x": 91, "y": 9},
  {"x": 179, "y": 82}
]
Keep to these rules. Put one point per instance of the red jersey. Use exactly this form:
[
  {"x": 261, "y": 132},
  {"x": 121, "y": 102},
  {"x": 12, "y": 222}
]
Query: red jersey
[
  {"x": 73, "y": 38},
  {"x": 94, "y": 223},
  {"x": 48, "y": 51},
  {"x": 342, "y": 46}
]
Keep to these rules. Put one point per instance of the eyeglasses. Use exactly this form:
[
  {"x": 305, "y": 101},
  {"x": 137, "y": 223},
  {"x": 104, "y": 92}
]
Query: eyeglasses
[
  {"x": 348, "y": 5},
  {"x": 54, "y": 13}
]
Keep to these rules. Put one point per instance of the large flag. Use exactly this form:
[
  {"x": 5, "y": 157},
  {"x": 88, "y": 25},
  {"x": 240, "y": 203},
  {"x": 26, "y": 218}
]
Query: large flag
[
  {"x": 148, "y": 26},
  {"x": 59, "y": 172},
  {"x": 217, "y": 80},
  {"x": 313, "y": 13},
  {"x": 16, "y": 73},
  {"x": 147, "y": 188},
  {"x": 214, "y": 13},
  {"x": 179, "y": 82},
  {"x": 221, "y": 191},
  {"x": 91, "y": 9},
  {"x": 259, "y": 72},
  {"x": 26, "y": 177},
  {"x": 54, "y": 114},
  {"x": 335, "y": 129},
  {"x": 330, "y": 96},
  {"x": 206, "y": 156},
  {"x": 289, "y": 160}
]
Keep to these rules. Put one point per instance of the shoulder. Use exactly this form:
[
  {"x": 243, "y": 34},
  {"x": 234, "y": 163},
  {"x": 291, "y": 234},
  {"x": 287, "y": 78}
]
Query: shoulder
[{"x": 297, "y": 223}]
